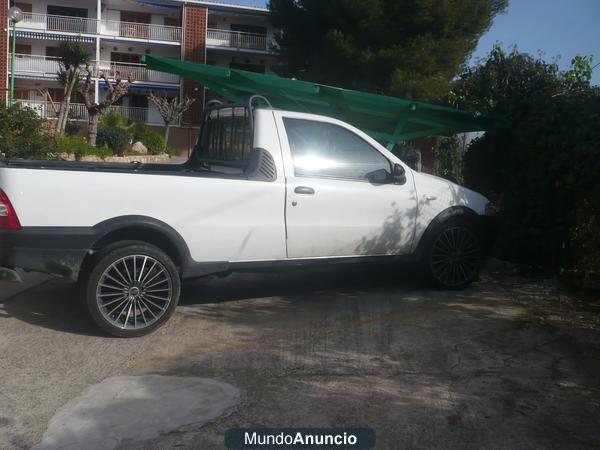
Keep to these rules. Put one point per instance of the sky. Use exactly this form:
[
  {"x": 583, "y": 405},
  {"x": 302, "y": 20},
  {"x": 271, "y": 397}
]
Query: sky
[
  {"x": 556, "y": 27},
  {"x": 562, "y": 28}
]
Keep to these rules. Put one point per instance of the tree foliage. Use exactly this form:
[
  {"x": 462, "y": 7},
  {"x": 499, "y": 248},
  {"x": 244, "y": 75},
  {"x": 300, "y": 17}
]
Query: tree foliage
[
  {"x": 170, "y": 109},
  {"x": 408, "y": 48},
  {"x": 541, "y": 161},
  {"x": 22, "y": 134},
  {"x": 116, "y": 89},
  {"x": 72, "y": 57}
]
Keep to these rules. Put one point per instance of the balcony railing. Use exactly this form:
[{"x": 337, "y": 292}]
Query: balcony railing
[
  {"x": 47, "y": 67},
  {"x": 143, "y": 31},
  {"x": 114, "y": 28},
  {"x": 65, "y": 24},
  {"x": 239, "y": 40},
  {"x": 36, "y": 65},
  {"x": 138, "y": 72},
  {"x": 78, "y": 111}
]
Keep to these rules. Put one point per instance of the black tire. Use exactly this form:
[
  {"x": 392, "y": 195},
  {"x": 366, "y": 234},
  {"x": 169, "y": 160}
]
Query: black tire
[
  {"x": 113, "y": 279},
  {"x": 452, "y": 256}
]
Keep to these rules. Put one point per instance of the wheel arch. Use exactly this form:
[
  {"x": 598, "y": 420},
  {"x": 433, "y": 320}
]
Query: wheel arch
[
  {"x": 454, "y": 212},
  {"x": 143, "y": 229}
]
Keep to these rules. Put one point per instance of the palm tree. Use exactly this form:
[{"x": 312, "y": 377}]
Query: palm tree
[{"x": 73, "y": 57}]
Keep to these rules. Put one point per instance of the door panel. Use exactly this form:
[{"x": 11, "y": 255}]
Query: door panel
[
  {"x": 346, "y": 218},
  {"x": 332, "y": 209}
]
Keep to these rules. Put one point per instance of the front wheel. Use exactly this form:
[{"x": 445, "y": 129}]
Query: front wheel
[
  {"x": 453, "y": 255},
  {"x": 132, "y": 289}
]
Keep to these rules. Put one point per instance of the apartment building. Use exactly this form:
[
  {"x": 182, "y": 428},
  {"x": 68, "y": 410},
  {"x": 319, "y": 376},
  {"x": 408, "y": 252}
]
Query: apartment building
[{"x": 118, "y": 33}]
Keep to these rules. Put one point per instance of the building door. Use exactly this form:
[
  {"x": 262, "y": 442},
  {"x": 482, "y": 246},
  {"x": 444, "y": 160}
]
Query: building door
[
  {"x": 127, "y": 64},
  {"x": 138, "y": 107},
  {"x": 135, "y": 24},
  {"x": 64, "y": 18}
]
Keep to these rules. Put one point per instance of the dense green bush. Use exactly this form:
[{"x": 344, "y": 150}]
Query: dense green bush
[
  {"x": 541, "y": 160},
  {"x": 22, "y": 134},
  {"x": 118, "y": 134},
  {"x": 153, "y": 141},
  {"x": 117, "y": 139},
  {"x": 79, "y": 147}
]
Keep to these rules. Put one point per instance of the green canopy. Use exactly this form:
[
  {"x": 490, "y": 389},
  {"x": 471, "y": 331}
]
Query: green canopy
[{"x": 388, "y": 119}]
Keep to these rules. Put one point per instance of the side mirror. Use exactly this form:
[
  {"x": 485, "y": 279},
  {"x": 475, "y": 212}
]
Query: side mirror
[
  {"x": 399, "y": 174},
  {"x": 379, "y": 176}
]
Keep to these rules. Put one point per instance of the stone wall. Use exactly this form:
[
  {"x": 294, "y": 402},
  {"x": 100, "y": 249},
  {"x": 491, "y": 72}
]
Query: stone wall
[{"x": 145, "y": 159}]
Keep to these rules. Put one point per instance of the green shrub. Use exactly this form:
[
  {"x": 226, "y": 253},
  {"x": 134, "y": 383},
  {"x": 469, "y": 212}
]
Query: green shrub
[
  {"x": 79, "y": 147},
  {"x": 113, "y": 119},
  {"x": 22, "y": 134},
  {"x": 103, "y": 152},
  {"x": 117, "y": 139},
  {"x": 73, "y": 146},
  {"x": 540, "y": 162},
  {"x": 153, "y": 141}
]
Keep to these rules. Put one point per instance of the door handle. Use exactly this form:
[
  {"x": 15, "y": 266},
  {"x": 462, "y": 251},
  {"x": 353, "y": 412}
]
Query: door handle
[{"x": 304, "y": 190}]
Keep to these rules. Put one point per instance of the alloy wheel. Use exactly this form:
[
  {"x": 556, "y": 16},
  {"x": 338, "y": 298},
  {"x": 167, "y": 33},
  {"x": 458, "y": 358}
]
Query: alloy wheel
[
  {"x": 455, "y": 256},
  {"x": 134, "y": 292}
]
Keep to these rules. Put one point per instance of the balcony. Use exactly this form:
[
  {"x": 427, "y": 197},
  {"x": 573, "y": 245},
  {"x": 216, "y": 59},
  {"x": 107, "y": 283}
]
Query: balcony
[
  {"x": 78, "y": 111},
  {"x": 140, "y": 31},
  {"x": 239, "y": 40},
  {"x": 106, "y": 28},
  {"x": 138, "y": 72},
  {"x": 38, "y": 66},
  {"x": 63, "y": 24},
  {"x": 34, "y": 66}
]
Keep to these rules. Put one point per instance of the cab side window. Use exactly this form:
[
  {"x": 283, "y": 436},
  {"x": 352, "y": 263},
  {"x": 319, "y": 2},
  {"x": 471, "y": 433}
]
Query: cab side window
[{"x": 321, "y": 149}]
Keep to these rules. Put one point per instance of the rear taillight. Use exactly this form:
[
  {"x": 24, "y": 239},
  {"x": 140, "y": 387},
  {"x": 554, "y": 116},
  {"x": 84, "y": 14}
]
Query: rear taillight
[{"x": 8, "y": 215}]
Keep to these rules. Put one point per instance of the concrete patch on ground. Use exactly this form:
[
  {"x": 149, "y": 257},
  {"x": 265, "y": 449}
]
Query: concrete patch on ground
[{"x": 136, "y": 408}]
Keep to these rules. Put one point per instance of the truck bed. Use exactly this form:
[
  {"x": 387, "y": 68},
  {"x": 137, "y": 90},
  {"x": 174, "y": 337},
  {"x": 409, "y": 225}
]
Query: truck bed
[{"x": 185, "y": 169}]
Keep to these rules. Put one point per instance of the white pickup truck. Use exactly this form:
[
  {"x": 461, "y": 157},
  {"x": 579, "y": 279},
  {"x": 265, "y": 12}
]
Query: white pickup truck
[{"x": 263, "y": 188}]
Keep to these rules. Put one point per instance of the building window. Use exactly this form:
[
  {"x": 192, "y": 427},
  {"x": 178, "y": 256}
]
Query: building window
[
  {"x": 25, "y": 7},
  {"x": 249, "y": 29},
  {"x": 257, "y": 68},
  {"x": 67, "y": 11},
  {"x": 23, "y": 49},
  {"x": 172, "y": 22}
]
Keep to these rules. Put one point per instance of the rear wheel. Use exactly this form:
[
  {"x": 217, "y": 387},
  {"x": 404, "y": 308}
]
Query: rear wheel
[
  {"x": 131, "y": 290},
  {"x": 453, "y": 256}
]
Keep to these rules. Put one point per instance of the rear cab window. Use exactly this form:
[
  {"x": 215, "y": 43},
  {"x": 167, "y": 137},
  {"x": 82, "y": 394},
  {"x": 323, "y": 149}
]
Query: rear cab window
[{"x": 226, "y": 140}]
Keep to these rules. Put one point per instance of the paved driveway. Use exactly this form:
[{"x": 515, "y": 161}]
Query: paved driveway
[{"x": 507, "y": 363}]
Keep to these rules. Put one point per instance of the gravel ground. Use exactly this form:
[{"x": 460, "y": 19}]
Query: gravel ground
[{"x": 508, "y": 363}]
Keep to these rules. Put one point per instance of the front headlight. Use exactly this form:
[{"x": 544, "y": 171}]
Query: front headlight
[{"x": 491, "y": 209}]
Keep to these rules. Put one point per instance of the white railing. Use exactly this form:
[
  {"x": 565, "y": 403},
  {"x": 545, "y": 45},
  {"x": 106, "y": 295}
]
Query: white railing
[
  {"x": 84, "y": 25},
  {"x": 131, "y": 112},
  {"x": 65, "y": 24},
  {"x": 144, "y": 31},
  {"x": 238, "y": 39},
  {"x": 138, "y": 72},
  {"x": 78, "y": 111},
  {"x": 47, "y": 67},
  {"x": 36, "y": 65}
]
